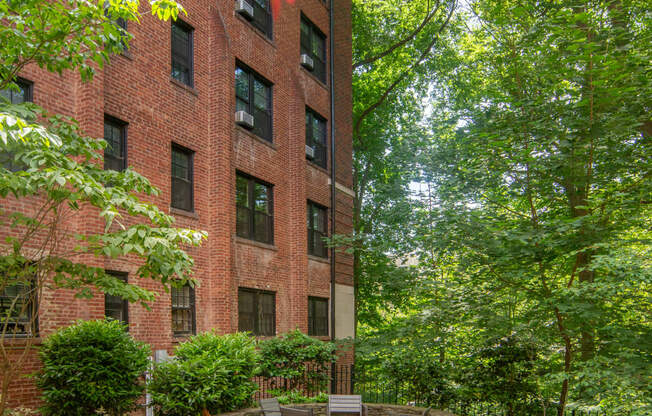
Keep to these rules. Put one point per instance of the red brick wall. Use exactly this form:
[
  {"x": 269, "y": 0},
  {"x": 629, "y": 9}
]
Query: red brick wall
[{"x": 136, "y": 87}]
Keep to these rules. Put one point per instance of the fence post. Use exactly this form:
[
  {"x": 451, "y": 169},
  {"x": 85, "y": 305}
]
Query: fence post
[{"x": 352, "y": 381}]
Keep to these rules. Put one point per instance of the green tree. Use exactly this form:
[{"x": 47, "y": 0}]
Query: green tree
[
  {"x": 58, "y": 172},
  {"x": 543, "y": 184}
]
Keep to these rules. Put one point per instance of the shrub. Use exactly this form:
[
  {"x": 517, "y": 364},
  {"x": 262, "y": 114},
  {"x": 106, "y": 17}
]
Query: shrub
[
  {"x": 209, "y": 373},
  {"x": 89, "y": 366},
  {"x": 301, "y": 360},
  {"x": 296, "y": 396}
]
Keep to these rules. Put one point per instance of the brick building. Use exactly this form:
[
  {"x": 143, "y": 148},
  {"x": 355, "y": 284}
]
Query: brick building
[{"x": 178, "y": 107}]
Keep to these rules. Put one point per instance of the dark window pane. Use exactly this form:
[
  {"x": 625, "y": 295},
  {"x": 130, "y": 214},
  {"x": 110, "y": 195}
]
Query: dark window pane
[
  {"x": 242, "y": 84},
  {"x": 254, "y": 95},
  {"x": 256, "y": 312},
  {"x": 114, "y": 306},
  {"x": 182, "y": 53},
  {"x": 313, "y": 43},
  {"x": 183, "y": 310},
  {"x": 316, "y": 136},
  {"x": 317, "y": 316},
  {"x": 262, "y": 16},
  {"x": 182, "y": 179},
  {"x": 115, "y": 151},
  {"x": 317, "y": 225},
  {"x": 18, "y": 308},
  {"x": 254, "y": 210}
]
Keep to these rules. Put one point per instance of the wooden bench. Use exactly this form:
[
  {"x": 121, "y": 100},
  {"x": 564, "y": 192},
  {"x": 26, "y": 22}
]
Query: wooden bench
[
  {"x": 346, "y": 404},
  {"x": 271, "y": 407}
]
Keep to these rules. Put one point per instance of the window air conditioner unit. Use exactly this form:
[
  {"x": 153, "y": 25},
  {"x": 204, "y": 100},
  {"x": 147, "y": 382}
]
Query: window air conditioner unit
[
  {"x": 306, "y": 62},
  {"x": 244, "y": 8},
  {"x": 310, "y": 152},
  {"x": 244, "y": 119}
]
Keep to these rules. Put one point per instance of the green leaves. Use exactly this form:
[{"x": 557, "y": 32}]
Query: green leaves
[
  {"x": 89, "y": 366},
  {"x": 210, "y": 371}
]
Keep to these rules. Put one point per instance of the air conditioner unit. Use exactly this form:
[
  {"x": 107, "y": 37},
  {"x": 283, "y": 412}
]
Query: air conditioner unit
[
  {"x": 244, "y": 8},
  {"x": 306, "y": 61},
  {"x": 244, "y": 119},
  {"x": 310, "y": 152}
]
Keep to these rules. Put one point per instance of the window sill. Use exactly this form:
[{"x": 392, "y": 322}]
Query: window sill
[
  {"x": 184, "y": 213},
  {"x": 188, "y": 88},
  {"x": 179, "y": 338},
  {"x": 127, "y": 54},
  {"x": 246, "y": 241},
  {"x": 257, "y": 31},
  {"x": 313, "y": 76},
  {"x": 256, "y": 137},
  {"x": 319, "y": 168},
  {"x": 318, "y": 259},
  {"x": 21, "y": 341}
]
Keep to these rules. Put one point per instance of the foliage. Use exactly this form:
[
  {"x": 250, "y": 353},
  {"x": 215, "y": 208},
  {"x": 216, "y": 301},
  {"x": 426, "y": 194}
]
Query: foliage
[
  {"x": 89, "y": 366},
  {"x": 297, "y": 396},
  {"x": 504, "y": 373},
  {"x": 60, "y": 177},
  {"x": 526, "y": 208},
  {"x": 210, "y": 372},
  {"x": 302, "y": 361}
]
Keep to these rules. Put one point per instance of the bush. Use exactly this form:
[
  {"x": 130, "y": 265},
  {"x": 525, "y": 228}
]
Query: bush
[
  {"x": 296, "y": 396},
  {"x": 209, "y": 373},
  {"x": 301, "y": 360},
  {"x": 89, "y": 366}
]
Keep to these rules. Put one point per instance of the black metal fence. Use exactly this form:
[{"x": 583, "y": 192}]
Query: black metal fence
[{"x": 346, "y": 379}]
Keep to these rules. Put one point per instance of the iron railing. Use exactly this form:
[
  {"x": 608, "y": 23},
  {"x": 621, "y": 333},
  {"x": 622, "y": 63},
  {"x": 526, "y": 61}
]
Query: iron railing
[{"x": 346, "y": 379}]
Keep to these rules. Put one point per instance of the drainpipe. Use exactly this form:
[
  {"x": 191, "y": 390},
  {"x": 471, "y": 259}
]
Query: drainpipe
[{"x": 331, "y": 56}]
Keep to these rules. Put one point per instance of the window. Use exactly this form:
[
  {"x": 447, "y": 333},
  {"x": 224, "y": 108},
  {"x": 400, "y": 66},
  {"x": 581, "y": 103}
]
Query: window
[
  {"x": 183, "y": 310},
  {"x": 21, "y": 95},
  {"x": 317, "y": 224},
  {"x": 254, "y": 95},
  {"x": 262, "y": 16},
  {"x": 317, "y": 316},
  {"x": 18, "y": 308},
  {"x": 115, "y": 153},
  {"x": 254, "y": 209},
  {"x": 256, "y": 311},
  {"x": 116, "y": 307},
  {"x": 316, "y": 136},
  {"x": 313, "y": 44},
  {"x": 182, "y": 52},
  {"x": 182, "y": 181}
]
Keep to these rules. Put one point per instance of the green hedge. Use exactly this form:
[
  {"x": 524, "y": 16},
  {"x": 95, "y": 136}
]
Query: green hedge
[{"x": 89, "y": 366}]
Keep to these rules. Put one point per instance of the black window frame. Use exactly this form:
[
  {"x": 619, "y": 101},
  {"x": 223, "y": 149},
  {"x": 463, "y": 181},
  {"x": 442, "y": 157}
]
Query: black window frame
[
  {"x": 319, "y": 62},
  {"x": 258, "y": 312},
  {"x": 249, "y": 101},
  {"x": 191, "y": 307},
  {"x": 320, "y": 145},
  {"x": 312, "y": 250},
  {"x": 32, "y": 312},
  {"x": 111, "y": 302},
  {"x": 191, "y": 172},
  {"x": 7, "y": 157},
  {"x": 180, "y": 24},
  {"x": 25, "y": 85},
  {"x": 313, "y": 324},
  {"x": 266, "y": 23},
  {"x": 122, "y": 126},
  {"x": 251, "y": 211}
]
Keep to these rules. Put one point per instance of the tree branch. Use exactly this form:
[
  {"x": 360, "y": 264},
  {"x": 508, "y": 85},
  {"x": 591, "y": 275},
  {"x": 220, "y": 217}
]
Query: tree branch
[
  {"x": 412, "y": 35},
  {"x": 383, "y": 97}
]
